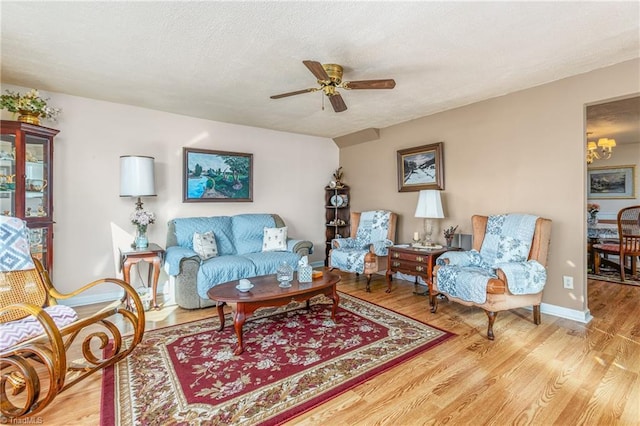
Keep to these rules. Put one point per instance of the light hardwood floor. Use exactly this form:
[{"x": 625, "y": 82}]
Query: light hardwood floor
[{"x": 560, "y": 372}]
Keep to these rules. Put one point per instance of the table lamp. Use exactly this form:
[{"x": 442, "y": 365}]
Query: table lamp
[{"x": 429, "y": 207}]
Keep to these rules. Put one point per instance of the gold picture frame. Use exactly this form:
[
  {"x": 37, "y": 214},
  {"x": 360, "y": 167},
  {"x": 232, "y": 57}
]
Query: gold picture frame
[
  {"x": 421, "y": 168},
  {"x": 611, "y": 182}
]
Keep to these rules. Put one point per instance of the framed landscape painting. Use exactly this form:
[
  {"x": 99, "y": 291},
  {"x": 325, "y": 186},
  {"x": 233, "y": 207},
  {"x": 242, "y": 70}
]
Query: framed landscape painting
[
  {"x": 216, "y": 176},
  {"x": 421, "y": 168},
  {"x": 611, "y": 182}
]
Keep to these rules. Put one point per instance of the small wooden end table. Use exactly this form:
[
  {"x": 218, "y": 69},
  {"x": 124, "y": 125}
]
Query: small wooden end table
[
  {"x": 154, "y": 255},
  {"x": 266, "y": 292},
  {"x": 414, "y": 261}
]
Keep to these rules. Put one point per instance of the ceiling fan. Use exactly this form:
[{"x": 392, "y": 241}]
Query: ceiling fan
[{"x": 330, "y": 78}]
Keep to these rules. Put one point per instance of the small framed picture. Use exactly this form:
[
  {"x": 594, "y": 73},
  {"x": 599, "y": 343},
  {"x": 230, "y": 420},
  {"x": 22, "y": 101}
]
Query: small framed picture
[
  {"x": 421, "y": 168},
  {"x": 611, "y": 182},
  {"x": 216, "y": 176}
]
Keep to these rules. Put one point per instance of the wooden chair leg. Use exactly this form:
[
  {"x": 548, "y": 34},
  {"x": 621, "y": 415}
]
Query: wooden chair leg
[
  {"x": 492, "y": 318},
  {"x": 369, "y": 283},
  {"x": 536, "y": 314},
  {"x": 596, "y": 262},
  {"x": 434, "y": 303}
]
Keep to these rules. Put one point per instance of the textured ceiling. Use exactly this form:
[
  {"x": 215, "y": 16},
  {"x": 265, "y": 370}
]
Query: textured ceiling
[
  {"x": 222, "y": 60},
  {"x": 619, "y": 120}
]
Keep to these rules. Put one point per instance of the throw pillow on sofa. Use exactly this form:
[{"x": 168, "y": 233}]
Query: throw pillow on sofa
[
  {"x": 275, "y": 239},
  {"x": 205, "y": 245}
]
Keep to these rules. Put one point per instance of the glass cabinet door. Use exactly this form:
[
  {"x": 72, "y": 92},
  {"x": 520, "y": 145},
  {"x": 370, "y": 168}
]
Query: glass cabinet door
[
  {"x": 38, "y": 240},
  {"x": 36, "y": 177},
  {"x": 8, "y": 175}
]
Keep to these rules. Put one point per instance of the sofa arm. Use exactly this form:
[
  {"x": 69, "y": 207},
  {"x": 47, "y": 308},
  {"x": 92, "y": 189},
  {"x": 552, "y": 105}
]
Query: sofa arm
[
  {"x": 174, "y": 257},
  {"x": 380, "y": 248},
  {"x": 462, "y": 258},
  {"x": 338, "y": 243},
  {"x": 301, "y": 247}
]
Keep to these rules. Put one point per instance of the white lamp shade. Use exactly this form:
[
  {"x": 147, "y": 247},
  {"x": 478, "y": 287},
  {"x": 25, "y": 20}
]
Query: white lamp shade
[
  {"x": 137, "y": 178},
  {"x": 429, "y": 204}
]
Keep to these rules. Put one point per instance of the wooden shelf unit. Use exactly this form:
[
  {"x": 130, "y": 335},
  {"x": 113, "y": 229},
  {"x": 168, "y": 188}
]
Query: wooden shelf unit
[{"x": 335, "y": 213}]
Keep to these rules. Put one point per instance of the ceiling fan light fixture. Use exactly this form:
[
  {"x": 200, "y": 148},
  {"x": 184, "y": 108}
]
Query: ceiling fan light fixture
[
  {"x": 329, "y": 77},
  {"x": 334, "y": 71}
]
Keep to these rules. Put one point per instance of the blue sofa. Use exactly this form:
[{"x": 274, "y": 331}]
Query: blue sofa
[{"x": 239, "y": 242}]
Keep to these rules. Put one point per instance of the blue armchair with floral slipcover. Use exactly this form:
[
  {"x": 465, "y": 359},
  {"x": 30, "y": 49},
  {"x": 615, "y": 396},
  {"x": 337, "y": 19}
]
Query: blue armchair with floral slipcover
[
  {"x": 365, "y": 252},
  {"x": 506, "y": 269}
]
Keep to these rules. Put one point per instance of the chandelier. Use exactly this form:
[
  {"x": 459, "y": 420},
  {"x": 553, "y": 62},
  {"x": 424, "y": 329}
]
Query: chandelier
[{"x": 601, "y": 150}]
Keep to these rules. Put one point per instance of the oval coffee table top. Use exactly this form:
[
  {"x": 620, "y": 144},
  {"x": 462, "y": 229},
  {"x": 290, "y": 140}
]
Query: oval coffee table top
[{"x": 266, "y": 287}]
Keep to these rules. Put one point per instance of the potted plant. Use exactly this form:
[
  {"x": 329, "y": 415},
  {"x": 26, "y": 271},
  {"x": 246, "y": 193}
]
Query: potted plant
[{"x": 30, "y": 107}]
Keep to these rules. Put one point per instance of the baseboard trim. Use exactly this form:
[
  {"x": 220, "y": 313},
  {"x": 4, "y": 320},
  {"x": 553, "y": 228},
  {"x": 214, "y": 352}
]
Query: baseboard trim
[
  {"x": 90, "y": 299},
  {"x": 546, "y": 308},
  {"x": 562, "y": 312}
]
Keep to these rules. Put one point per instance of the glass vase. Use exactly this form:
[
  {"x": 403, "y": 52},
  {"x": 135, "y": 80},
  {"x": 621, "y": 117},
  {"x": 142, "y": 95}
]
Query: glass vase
[
  {"x": 284, "y": 275},
  {"x": 141, "y": 241},
  {"x": 449, "y": 241}
]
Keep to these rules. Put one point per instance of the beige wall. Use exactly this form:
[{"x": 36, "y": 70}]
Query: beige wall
[
  {"x": 290, "y": 173},
  {"x": 522, "y": 152}
]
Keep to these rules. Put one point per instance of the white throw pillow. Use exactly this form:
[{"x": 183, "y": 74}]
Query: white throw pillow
[
  {"x": 205, "y": 245},
  {"x": 275, "y": 239}
]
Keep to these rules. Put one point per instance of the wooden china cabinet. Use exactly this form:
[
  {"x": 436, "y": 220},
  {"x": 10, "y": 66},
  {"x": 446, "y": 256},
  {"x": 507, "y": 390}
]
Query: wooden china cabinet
[
  {"x": 26, "y": 160},
  {"x": 336, "y": 201}
]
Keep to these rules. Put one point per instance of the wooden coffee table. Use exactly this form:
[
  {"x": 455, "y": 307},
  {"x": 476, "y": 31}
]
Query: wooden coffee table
[{"x": 266, "y": 292}]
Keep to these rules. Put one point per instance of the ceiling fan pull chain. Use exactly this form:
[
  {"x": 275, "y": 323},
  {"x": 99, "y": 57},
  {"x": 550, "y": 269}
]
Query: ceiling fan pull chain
[{"x": 322, "y": 96}]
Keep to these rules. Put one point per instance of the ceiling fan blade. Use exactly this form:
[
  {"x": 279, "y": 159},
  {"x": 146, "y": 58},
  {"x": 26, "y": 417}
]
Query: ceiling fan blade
[
  {"x": 370, "y": 84},
  {"x": 338, "y": 103},
  {"x": 316, "y": 69},
  {"x": 297, "y": 92}
]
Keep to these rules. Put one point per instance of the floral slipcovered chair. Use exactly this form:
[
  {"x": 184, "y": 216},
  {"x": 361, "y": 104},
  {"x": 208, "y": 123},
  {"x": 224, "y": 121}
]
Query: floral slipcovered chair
[
  {"x": 506, "y": 269},
  {"x": 37, "y": 334},
  {"x": 366, "y": 253}
]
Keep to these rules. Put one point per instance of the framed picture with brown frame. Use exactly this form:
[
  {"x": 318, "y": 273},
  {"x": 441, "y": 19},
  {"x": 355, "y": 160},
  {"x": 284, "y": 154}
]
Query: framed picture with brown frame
[
  {"x": 216, "y": 176},
  {"x": 421, "y": 168},
  {"x": 611, "y": 182}
]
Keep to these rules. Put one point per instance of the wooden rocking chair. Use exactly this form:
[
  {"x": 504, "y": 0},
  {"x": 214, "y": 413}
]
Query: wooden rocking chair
[{"x": 38, "y": 336}]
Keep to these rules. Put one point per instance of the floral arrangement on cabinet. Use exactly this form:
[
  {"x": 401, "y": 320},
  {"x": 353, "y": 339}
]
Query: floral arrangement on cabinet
[{"x": 31, "y": 103}]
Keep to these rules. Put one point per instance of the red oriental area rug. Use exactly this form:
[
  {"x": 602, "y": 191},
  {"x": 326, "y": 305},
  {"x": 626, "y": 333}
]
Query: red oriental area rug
[{"x": 293, "y": 361}]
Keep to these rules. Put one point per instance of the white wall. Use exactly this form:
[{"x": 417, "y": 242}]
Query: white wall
[{"x": 290, "y": 172}]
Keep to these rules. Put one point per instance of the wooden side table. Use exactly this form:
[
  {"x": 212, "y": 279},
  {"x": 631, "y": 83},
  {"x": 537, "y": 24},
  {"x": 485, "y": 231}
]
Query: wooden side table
[
  {"x": 413, "y": 261},
  {"x": 154, "y": 255}
]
